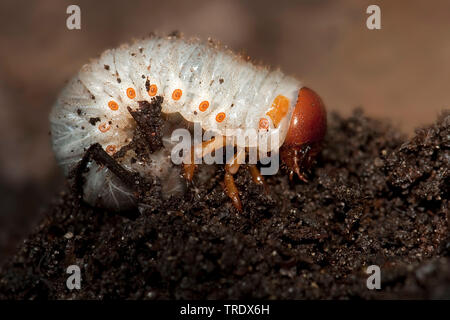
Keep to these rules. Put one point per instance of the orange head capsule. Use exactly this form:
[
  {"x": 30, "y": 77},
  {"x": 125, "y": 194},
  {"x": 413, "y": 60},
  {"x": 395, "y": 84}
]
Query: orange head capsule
[{"x": 305, "y": 134}]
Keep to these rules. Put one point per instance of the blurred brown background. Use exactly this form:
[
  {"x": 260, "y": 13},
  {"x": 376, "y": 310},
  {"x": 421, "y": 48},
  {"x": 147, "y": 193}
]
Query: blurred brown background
[{"x": 401, "y": 72}]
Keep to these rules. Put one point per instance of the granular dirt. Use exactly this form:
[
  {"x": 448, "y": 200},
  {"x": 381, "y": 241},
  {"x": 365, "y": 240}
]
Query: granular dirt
[{"x": 374, "y": 198}]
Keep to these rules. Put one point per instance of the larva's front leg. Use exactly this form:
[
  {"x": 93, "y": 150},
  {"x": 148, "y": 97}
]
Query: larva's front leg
[{"x": 207, "y": 147}]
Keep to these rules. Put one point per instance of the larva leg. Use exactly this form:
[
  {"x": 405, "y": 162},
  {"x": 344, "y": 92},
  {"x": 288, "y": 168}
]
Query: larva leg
[
  {"x": 231, "y": 168},
  {"x": 257, "y": 176},
  {"x": 211, "y": 145},
  {"x": 206, "y": 148},
  {"x": 234, "y": 163},
  {"x": 231, "y": 189},
  {"x": 189, "y": 168}
]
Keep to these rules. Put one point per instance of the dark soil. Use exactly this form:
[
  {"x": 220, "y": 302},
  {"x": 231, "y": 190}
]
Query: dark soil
[{"x": 373, "y": 198}]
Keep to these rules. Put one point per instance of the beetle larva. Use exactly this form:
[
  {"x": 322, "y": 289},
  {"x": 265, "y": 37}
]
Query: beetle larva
[{"x": 202, "y": 82}]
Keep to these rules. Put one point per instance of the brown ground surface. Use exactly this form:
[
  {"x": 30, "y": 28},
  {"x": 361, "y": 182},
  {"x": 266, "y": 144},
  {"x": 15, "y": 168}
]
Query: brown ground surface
[{"x": 374, "y": 198}]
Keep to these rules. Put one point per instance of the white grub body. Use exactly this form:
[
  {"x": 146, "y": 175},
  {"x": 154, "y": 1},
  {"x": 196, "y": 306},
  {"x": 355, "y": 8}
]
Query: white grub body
[{"x": 202, "y": 71}]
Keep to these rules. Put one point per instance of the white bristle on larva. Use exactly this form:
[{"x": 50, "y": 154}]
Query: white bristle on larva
[{"x": 205, "y": 84}]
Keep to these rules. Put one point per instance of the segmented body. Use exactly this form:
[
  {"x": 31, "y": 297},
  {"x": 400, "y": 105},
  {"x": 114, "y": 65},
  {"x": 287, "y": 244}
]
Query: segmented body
[{"x": 204, "y": 83}]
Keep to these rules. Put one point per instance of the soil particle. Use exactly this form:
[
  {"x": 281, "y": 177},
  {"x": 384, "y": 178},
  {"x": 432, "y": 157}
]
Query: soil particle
[
  {"x": 93, "y": 121},
  {"x": 373, "y": 198},
  {"x": 148, "y": 135}
]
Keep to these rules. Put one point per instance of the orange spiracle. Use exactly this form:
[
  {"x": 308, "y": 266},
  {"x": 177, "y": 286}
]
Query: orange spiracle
[
  {"x": 111, "y": 149},
  {"x": 220, "y": 117},
  {"x": 113, "y": 105},
  {"x": 203, "y": 106},
  {"x": 131, "y": 93},
  {"x": 264, "y": 124},
  {"x": 152, "y": 90},
  {"x": 177, "y": 93},
  {"x": 104, "y": 127}
]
